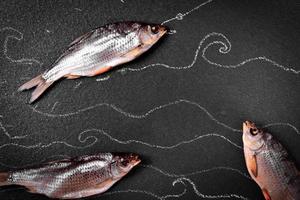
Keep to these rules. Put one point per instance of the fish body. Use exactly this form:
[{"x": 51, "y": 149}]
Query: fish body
[
  {"x": 97, "y": 52},
  {"x": 270, "y": 165},
  {"x": 73, "y": 178}
]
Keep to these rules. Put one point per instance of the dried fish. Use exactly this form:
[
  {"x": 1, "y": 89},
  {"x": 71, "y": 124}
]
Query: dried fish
[
  {"x": 73, "y": 178},
  {"x": 98, "y": 51}
]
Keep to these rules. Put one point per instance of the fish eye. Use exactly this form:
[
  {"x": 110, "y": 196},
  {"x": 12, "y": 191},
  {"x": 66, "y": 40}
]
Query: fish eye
[
  {"x": 154, "y": 29},
  {"x": 253, "y": 131}
]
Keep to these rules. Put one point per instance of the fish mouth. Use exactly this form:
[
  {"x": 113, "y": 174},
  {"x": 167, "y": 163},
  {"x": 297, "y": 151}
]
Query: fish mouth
[
  {"x": 135, "y": 159},
  {"x": 131, "y": 158},
  {"x": 136, "y": 162},
  {"x": 163, "y": 30},
  {"x": 248, "y": 124}
]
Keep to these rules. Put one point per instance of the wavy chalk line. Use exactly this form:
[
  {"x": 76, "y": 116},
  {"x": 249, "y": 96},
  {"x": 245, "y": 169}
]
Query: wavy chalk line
[
  {"x": 137, "y": 116},
  {"x": 103, "y": 79},
  {"x": 5, "y": 132},
  {"x": 183, "y": 179},
  {"x": 224, "y": 49},
  {"x": 173, "y": 175},
  {"x": 283, "y": 124},
  {"x": 125, "y": 142},
  {"x": 154, "y": 109},
  {"x": 153, "y": 145},
  {"x": 146, "y": 193},
  {"x": 19, "y": 37}
]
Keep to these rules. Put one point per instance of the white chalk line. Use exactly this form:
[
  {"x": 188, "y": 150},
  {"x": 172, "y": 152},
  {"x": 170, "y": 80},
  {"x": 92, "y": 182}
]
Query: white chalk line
[
  {"x": 6, "y": 133},
  {"x": 124, "y": 142},
  {"x": 180, "y": 16},
  {"x": 103, "y": 78},
  {"x": 184, "y": 179},
  {"x": 145, "y": 193},
  {"x": 77, "y": 85},
  {"x": 181, "y": 180},
  {"x": 137, "y": 116},
  {"x": 78, "y": 9},
  {"x": 224, "y": 49},
  {"x": 218, "y": 168},
  {"x": 157, "y": 108},
  {"x": 53, "y": 107},
  {"x": 283, "y": 124},
  {"x": 152, "y": 145},
  {"x": 19, "y": 37}
]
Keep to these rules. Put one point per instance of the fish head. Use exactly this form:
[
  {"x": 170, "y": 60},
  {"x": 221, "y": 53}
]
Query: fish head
[
  {"x": 252, "y": 136},
  {"x": 149, "y": 34},
  {"x": 123, "y": 163}
]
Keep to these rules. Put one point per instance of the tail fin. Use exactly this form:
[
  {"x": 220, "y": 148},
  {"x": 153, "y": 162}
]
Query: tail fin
[
  {"x": 41, "y": 85},
  {"x": 4, "y": 178}
]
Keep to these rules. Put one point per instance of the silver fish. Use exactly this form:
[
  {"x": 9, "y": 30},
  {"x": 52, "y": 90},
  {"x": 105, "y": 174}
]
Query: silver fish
[
  {"x": 97, "y": 52},
  {"x": 73, "y": 178},
  {"x": 269, "y": 164}
]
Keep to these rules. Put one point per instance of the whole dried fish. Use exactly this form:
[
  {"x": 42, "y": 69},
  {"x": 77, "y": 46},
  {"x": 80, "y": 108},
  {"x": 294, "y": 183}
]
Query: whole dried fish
[
  {"x": 97, "y": 52},
  {"x": 73, "y": 178},
  {"x": 269, "y": 164}
]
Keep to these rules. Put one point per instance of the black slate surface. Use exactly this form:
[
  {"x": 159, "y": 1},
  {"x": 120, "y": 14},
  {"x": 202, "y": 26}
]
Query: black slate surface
[{"x": 183, "y": 116}]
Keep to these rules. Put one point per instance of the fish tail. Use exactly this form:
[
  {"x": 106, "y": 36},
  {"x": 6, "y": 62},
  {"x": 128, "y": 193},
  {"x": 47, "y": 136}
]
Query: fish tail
[
  {"x": 32, "y": 83},
  {"x": 4, "y": 178},
  {"x": 41, "y": 85}
]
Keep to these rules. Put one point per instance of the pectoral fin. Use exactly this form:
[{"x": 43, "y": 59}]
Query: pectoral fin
[
  {"x": 252, "y": 164},
  {"x": 101, "y": 70},
  {"x": 266, "y": 194},
  {"x": 69, "y": 76}
]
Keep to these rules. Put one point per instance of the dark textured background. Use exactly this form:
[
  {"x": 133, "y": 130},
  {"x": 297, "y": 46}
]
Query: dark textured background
[{"x": 258, "y": 90}]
